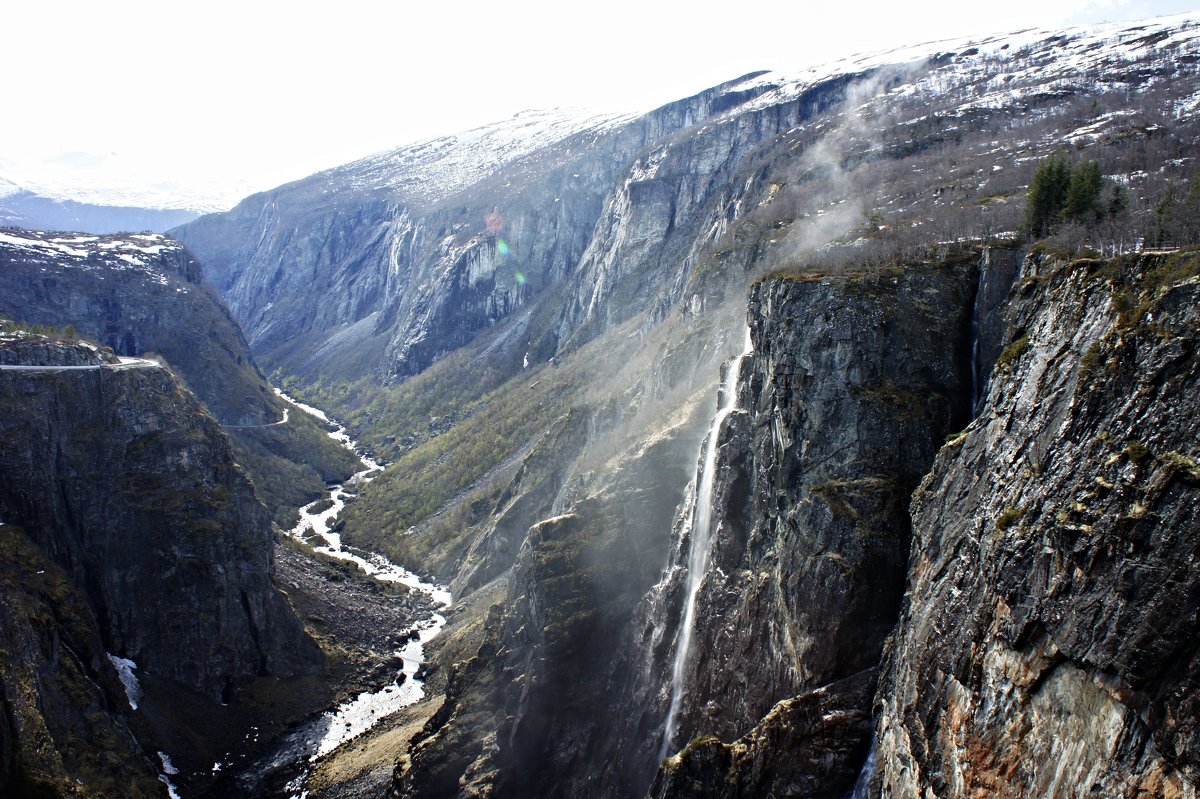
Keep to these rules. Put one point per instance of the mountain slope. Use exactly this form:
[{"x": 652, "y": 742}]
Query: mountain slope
[
  {"x": 404, "y": 272},
  {"x": 28, "y": 209},
  {"x": 537, "y": 351}
]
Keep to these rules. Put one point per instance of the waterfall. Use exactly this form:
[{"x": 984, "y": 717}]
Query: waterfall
[
  {"x": 974, "y": 359},
  {"x": 862, "y": 786},
  {"x": 699, "y": 536},
  {"x": 979, "y": 310}
]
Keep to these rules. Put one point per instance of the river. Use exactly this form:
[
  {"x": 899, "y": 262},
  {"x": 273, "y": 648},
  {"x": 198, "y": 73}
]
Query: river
[{"x": 319, "y": 736}]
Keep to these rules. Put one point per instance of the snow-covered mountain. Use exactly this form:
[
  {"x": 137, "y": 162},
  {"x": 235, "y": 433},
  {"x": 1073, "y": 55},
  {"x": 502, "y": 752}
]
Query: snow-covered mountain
[
  {"x": 28, "y": 208},
  {"x": 418, "y": 226}
]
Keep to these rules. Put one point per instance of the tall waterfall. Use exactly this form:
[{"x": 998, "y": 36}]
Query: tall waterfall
[
  {"x": 700, "y": 537},
  {"x": 974, "y": 365}
]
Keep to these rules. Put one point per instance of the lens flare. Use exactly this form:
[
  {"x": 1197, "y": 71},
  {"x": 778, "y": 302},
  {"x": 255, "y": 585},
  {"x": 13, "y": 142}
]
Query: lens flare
[
  {"x": 520, "y": 278},
  {"x": 502, "y": 247}
]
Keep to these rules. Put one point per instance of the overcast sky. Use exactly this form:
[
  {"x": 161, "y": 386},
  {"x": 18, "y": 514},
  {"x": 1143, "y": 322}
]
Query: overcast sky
[{"x": 146, "y": 101}]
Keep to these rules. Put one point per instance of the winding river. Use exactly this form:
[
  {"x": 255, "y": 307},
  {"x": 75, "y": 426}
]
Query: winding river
[{"x": 321, "y": 735}]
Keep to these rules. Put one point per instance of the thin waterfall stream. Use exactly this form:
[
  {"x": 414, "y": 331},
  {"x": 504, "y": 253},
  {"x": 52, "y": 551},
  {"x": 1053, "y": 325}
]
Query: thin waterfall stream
[{"x": 700, "y": 537}]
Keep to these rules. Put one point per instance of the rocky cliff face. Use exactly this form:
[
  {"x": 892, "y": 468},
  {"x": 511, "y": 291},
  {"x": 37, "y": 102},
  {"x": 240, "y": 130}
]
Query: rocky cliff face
[
  {"x": 852, "y": 385},
  {"x": 429, "y": 245},
  {"x": 144, "y": 293},
  {"x": 859, "y": 373},
  {"x": 521, "y": 717},
  {"x": 62, "y": 728},
  {"x": 136, "y": 294},
  {"x": 1047, "y": 646},
  {"x": 570, "y": 224},
  {"x": 136, "y": 569},
  {"x": 128, "y": 484}
]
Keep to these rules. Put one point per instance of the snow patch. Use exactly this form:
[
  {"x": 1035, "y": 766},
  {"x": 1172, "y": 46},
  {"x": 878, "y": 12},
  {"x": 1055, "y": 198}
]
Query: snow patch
[
  {"x": 167, "y": 766},
  {"x": 435, "y": 169},
  {"x": 125, "y": 670},
  {"x": 137, "y": 252},
  {"x": 168, "y": 771}
]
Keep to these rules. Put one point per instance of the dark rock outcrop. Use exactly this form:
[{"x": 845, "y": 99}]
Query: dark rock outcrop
[
  {"x": 801, "y": 748},
  {"x": 1048, "y": 643},
  {"x": 127, "y": 483},
  {"x": 62, "y": 728}
]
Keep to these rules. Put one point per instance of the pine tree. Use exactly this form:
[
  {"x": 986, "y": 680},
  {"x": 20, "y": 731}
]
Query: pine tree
[
  {"x": 1163, "y": 213},
  {"x": 1047, "y": 195},
  {"x": 1118, "y": 202},
  {"x": 1082, "y": 203},
  {"x": 1060, "y": 192}
]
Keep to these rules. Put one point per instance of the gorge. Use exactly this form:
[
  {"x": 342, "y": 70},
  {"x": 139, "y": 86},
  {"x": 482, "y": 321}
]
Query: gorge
[{"x": 762, "y": 452}]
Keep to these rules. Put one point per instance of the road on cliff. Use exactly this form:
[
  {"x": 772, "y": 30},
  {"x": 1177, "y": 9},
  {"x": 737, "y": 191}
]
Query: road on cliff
[{"x": 125, "y": 363}]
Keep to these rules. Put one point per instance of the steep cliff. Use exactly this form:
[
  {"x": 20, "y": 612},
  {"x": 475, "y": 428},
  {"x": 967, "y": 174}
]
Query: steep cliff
[
  {"x": 528, "y": 714},
  {"x": 144, "y": 293},
  {"x": 864, "y": 360},
  {"x": 568, "y": 223},
  {"x": 1048, "y": 643},
  {"x": 62, "y": 728},
  {"x": 126, "y": 482},
  {"x": 853, "y": 382},
  {"x": 425, "y": 247}
]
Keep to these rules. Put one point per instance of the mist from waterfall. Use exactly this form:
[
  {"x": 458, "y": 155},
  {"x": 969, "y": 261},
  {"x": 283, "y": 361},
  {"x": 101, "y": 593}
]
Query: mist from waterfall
[{"x": 700, "y": 535}]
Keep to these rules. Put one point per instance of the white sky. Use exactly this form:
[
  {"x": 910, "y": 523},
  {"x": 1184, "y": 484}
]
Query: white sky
[{"x": 145, "y": 101}]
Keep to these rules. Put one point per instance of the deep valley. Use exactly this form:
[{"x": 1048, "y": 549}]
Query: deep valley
[{"x": 824, "y": 434}]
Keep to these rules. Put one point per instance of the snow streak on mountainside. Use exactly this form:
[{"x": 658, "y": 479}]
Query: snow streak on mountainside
[{"x": 432, "y": 171}]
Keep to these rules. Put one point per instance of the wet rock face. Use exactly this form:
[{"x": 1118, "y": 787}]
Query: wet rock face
[
  {"x": 800, "y": 749},
  {"x": 852, "y": 386},
  {"x": 129, "y": 485},
  {"x": 1047, "y": 646}
]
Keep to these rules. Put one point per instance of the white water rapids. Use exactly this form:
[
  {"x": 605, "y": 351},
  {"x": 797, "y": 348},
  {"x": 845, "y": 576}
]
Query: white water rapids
[
  {"x": 700, "y": 537},
  {"x": 355, "y": 716}
]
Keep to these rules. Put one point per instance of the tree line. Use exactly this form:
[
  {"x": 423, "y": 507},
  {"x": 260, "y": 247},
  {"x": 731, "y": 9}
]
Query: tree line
[{"x": 1064, "y": 195}]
